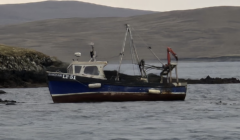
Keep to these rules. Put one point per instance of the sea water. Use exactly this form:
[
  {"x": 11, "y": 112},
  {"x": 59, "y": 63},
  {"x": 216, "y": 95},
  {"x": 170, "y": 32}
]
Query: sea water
[{"x": 209, "y": 112}]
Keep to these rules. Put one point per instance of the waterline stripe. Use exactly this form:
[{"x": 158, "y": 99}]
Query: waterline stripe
[{"x": 84, "y": 93}]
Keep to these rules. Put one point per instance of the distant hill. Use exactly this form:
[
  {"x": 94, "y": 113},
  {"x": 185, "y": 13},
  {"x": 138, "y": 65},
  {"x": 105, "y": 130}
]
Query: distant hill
[
  {"x": 19, "y": 13},
  {"x": 207, "y": 32}
]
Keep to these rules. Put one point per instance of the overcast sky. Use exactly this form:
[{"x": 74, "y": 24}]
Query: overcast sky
[{"x": 155, "y": 5}]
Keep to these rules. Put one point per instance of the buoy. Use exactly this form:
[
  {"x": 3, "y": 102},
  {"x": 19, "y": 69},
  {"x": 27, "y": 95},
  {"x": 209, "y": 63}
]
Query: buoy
[
  {"x": 96, "y": 85},
  {"x": 154, "y": 91}
]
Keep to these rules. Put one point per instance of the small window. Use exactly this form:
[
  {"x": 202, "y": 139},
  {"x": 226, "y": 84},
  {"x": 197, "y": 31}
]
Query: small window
[
  {"x": 92, "y": 70},
  {"x": 78, "y": 69}
]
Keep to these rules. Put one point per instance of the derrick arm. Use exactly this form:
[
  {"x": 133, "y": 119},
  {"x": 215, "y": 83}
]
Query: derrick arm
[
  {"x": 169, "y": 50},
  {"x": 169, "y": 67}
]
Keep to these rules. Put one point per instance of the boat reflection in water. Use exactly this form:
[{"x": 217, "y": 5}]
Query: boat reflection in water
[{"x": 86, "y": 81}]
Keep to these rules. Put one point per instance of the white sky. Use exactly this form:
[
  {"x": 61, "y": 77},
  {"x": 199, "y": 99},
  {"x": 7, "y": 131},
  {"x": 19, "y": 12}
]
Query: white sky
[{"x": 155, "y": 5}]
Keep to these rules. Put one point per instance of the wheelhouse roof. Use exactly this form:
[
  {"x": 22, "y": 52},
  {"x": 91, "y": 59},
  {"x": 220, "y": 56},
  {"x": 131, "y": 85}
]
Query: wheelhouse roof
[{"x": 88, "y": 63}]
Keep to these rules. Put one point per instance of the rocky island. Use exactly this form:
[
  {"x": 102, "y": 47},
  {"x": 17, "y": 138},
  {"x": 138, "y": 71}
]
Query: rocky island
[{"x": 20, "y": 67}]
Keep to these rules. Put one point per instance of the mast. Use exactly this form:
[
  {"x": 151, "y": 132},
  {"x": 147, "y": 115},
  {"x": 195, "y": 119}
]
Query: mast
[
  {"x": 121, "y": 54},
  {"x": 133, "y": 47}
]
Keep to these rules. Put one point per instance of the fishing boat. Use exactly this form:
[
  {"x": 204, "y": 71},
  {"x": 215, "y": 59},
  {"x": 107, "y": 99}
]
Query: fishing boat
[{"x": 86, "y": 81}]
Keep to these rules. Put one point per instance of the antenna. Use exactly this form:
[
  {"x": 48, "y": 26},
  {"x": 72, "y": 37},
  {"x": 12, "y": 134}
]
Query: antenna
[{"x": 77, "y": 54}]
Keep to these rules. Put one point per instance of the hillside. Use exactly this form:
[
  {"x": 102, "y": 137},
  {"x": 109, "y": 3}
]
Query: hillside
[
  {"x": 207, "y": 32},
  {"x": 19, "y": 13}
]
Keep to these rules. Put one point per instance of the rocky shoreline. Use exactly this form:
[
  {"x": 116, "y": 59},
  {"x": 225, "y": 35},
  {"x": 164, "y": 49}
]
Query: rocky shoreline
[
  {"x": 20, "y": 67},
  {"x": 210, "y": 80}
]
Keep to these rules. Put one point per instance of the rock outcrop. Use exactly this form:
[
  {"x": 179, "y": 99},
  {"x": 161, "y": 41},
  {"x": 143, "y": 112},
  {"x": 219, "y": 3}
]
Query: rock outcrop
[
  {"x": 2, "y": 92},
  {"x": 20, "y": 67},
  {"x": 217, "y": 80},
  {"x": 8, "y": 102}
]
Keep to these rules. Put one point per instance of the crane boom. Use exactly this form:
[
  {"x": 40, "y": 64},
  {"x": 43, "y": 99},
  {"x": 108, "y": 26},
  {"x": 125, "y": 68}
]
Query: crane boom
[{"x": 169, "y": 50}]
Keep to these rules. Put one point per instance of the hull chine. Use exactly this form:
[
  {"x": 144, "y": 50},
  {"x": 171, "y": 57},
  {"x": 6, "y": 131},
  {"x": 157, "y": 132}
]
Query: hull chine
[{"x": 116, "y": 97}]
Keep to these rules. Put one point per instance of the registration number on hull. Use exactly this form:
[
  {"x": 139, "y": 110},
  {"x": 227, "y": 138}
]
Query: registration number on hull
[
  {"x": 72, "y": 77},
  {"x": 64, "y": 76}
]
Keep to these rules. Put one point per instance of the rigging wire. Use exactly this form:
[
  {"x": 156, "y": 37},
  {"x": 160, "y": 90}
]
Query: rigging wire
[
  {"x": 147, "y": 66},
  {"x": 131, "y": 51},
  {"x": 142, "y": 66},
  {"x": 141, "y": 38},
  {"x": 148, "y": 45}
]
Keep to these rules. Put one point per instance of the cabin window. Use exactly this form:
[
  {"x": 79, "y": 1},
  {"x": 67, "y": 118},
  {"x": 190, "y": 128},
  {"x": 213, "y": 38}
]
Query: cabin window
[
  {"x": 78, "y": 69},
  {"x": 92, "y": 70}
]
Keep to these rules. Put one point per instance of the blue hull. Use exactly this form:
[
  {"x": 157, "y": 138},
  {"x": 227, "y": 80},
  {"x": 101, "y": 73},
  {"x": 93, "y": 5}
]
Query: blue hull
[
  {"x": 69, "y": 87},
  {"x": 65, "y": 91}
]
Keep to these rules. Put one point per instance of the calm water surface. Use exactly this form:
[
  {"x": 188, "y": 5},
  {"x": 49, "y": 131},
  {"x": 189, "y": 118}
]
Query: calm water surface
[{"x": 209, "y": 112}]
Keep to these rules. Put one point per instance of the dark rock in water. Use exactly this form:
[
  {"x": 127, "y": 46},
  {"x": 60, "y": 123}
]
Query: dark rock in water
[
  {"x": 13, "y": 101},
  {"x": 10, "y": 103},
  {"x": 2, "y": 92},
  {"x": 209, "y": 80}
]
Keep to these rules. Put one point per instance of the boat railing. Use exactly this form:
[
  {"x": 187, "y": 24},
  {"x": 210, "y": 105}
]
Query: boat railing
[{"x": 167, "y": 71}]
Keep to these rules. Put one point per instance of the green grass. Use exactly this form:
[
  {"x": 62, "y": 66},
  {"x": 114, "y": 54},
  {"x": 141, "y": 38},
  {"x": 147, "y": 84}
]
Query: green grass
[{"x": 17, "y": 51}]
